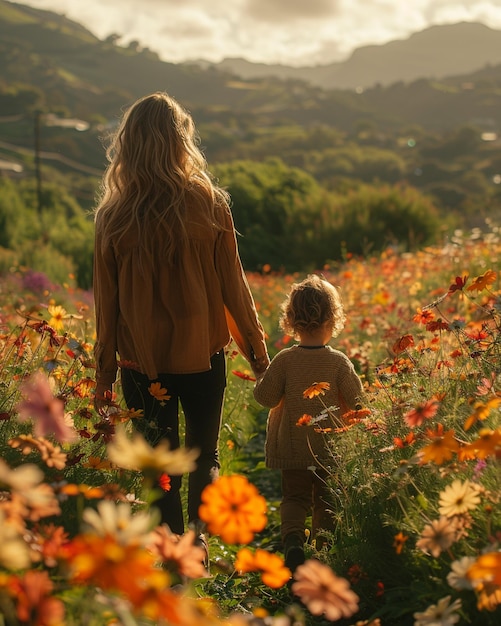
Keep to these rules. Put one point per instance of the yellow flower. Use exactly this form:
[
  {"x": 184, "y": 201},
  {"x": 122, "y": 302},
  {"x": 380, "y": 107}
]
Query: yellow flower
[
  {"x": 233, "y": 509},
  {"x": 137, "y": 454},
  {"x": 317, "y": 389},
  {"x": 57, "y": 315},
  {"x": 274, "y": 573},
  {"x": 458, "y": 498},
  {"x": 158, "y": 392}
]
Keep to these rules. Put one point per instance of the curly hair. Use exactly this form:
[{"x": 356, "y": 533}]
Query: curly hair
[
  {"x": 156, "y": 171},
  {"x": 310, "y": 304}
]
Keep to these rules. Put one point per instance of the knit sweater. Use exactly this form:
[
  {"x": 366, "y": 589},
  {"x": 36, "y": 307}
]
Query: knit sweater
[{"x": 281, "y": 388}]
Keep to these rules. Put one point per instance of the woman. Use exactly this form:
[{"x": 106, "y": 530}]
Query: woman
[{"x": 169, "y": 288}]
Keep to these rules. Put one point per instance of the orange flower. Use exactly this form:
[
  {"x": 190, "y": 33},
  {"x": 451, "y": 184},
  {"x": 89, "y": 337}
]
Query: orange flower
[
  {"x": 482, "y": 282},
  {"x": 102, "y": 561},
  {"x": 417, "y": 415},
  {"x": 487, "y": 444},
  {"x": 35, "y": 605},
  {"x": 423, "y": 316},
  {"x": 317, "y": 389},
  {"x": 274, "y": 573},
  {"x": 408, "y": 440},
  {"x": 355, "y": 415},
  {"x": 481, "y": 411},
  {"x": 442, "y": 447},
  {"x": 487, "y": 568},
  {"x": 398, "y": 542},
  {"x": 158, "y": 392},
  {"x": 233, "y": 508},
  {"x": 304, "y": 420},
  {"x": 406, "y": 341}
]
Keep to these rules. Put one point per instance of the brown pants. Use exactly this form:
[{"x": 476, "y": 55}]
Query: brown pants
[{"x": 303, "y": 493}]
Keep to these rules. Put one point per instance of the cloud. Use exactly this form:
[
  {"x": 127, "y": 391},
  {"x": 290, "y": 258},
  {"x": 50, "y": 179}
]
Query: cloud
[
  {"x": 287, "y": 11},
  {"x": 294, "y": 32}
]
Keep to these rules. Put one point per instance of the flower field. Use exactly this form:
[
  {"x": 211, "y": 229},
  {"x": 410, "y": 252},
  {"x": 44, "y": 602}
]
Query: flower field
[{"x": 414, "y": 475}]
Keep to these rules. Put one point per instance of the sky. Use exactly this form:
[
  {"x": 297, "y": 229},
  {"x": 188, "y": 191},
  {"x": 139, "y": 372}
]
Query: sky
[{"x": 290, "y": 32}]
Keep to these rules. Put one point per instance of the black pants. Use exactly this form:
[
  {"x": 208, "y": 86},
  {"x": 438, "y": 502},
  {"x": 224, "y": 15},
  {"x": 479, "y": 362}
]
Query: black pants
[{"x": 201, "y": 396}]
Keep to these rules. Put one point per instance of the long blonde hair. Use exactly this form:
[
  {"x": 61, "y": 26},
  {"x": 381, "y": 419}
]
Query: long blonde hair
[{"x": 156, "y": 171}]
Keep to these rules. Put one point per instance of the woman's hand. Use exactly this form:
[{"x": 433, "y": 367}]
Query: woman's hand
[
  {"x": 260, "y": 365},
  {"x": 102, "y": 398}
]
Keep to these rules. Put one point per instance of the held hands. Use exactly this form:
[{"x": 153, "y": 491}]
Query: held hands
[
  {"x": 260, "y": 365},
  {"x": 102, "y": 398}
]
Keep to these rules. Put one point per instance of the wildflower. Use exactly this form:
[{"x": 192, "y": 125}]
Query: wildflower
[
  {"x": 398, "y": 542},
  {"x": 458, "y": 283},
  {"x": 323, "y": 592},
  {"x": 14, "y": 553},
  {"x": 304, "y": 420},
  {"x": 158, "y": 392},
  {"x": 438, "y": 324},
  {"x": 424, "y": 411},
  {"x": 457, "y": 577},
  {"x": 487, "y": 444},
  {"x": 488, "y": 596},
  {"x": 440, "y": 614},
  {"x": 104, "y": 562},
  {"x": 116, "y": 520},
  {"x": 274, "y": 573},
  {"x": 487, "y": 568},
  {"x": 137, "y": 454},
  {"x": 355, "y": 415},
  {"x": 441, "y": 448},
  {"x": 458, "y": 498},
  {"x": 50, "y": 454},
  {"x": 164, "y": 482},
  {"x": 423, "y": 316},
  {"x": 406, "y": 341},
  {"x": 35, "y": 605},
  {"x": 47, "y": 411},
  {"x": 243, "y": 375},
  {"x": 317, "y": 389},
  {"x": 408, "y": 440},
  {"x": 481, "y": 411},
  {"x": 482, "y": 282},
  {"x": 438, "y": 536},
  {"x": 178, "y": 553},
  {"x": 57, "y": 315},
  {"x": 233, "y": 509}
]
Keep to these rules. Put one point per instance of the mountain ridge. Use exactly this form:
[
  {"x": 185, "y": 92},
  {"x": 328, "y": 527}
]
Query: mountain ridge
[{"x": 435, "y": 52}]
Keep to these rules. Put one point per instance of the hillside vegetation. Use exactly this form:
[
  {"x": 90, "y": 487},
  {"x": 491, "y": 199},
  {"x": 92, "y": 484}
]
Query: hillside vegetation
[{"x": 314, "y": 173}]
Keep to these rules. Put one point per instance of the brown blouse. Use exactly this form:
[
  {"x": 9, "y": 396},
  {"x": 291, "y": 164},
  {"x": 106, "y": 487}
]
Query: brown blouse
[{"x": 171, "y": 318}]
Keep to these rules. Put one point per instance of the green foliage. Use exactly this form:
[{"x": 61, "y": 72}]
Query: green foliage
[{"x": 53, "y": 236}]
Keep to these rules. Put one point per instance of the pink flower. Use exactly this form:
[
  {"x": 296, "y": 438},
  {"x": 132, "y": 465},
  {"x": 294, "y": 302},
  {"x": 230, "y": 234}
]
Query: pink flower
[
  {"x": 323, "y": 592},
  {"x": 46, "y": 411}
]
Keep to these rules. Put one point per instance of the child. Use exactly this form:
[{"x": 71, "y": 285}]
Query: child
[{"x": 313, "y": 314}]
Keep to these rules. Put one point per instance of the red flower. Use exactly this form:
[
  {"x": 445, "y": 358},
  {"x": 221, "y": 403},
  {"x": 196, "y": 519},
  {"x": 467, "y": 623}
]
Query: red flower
[
  {"x": 458, "y": 284},
  {"x": 164, "y": 482},
  {"x": 406, "y": 341},
  {"x": 243, "y": 375}
]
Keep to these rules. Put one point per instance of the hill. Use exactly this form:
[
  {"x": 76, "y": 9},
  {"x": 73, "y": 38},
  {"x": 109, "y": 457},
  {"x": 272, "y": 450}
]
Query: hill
[{"x": 436, "y": 52}]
